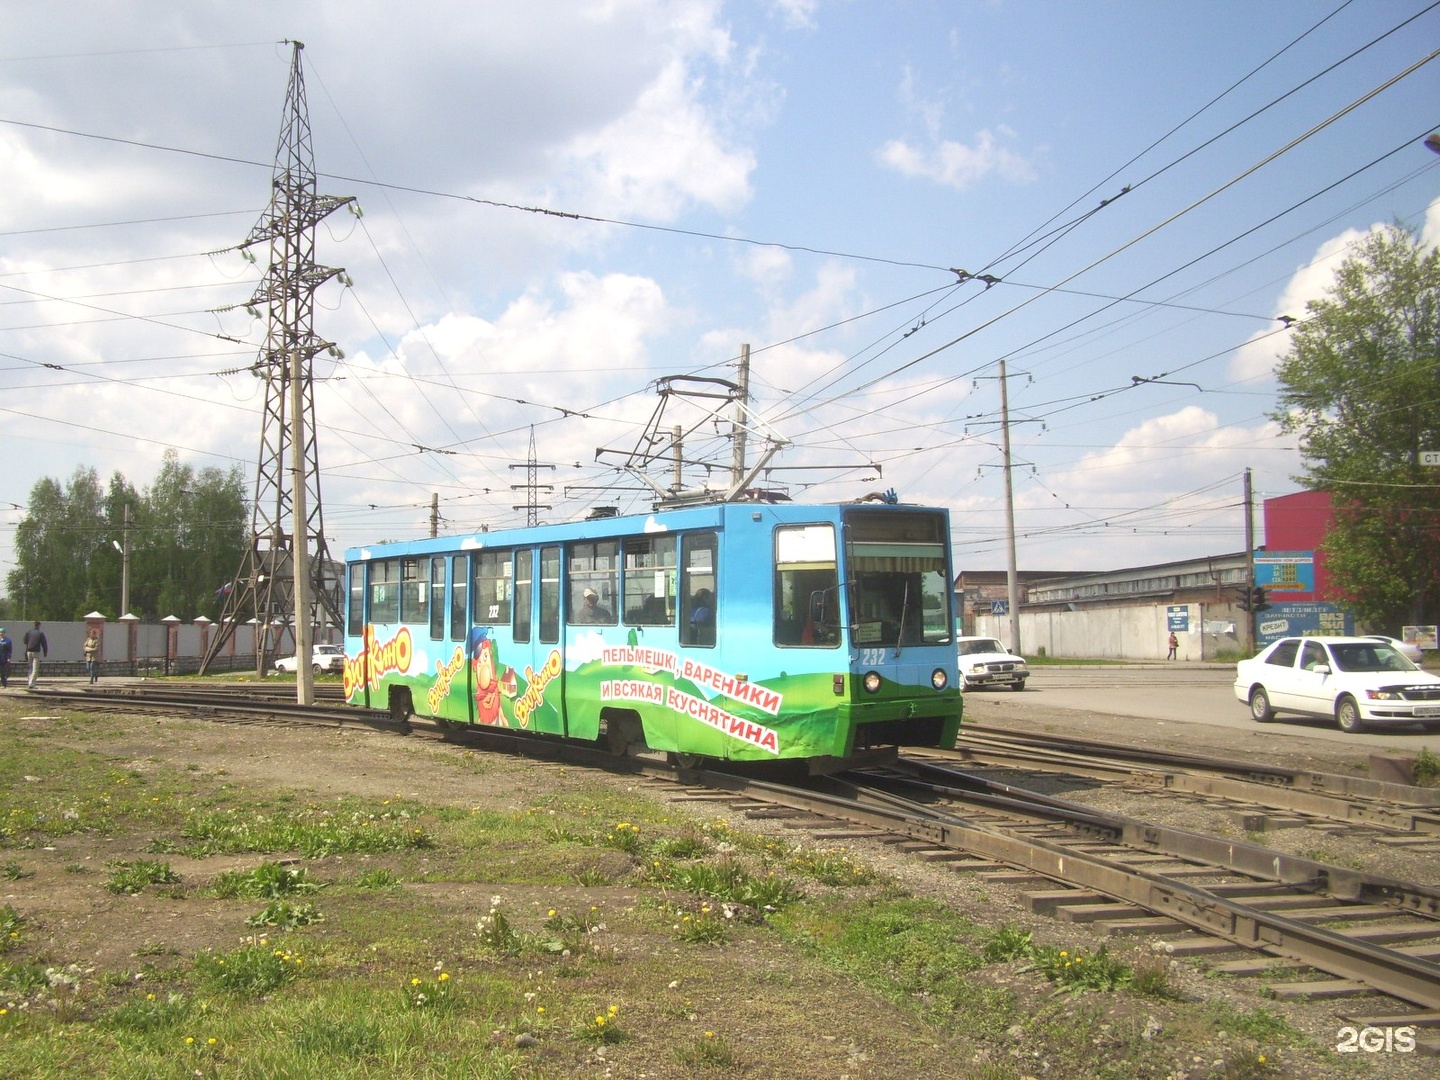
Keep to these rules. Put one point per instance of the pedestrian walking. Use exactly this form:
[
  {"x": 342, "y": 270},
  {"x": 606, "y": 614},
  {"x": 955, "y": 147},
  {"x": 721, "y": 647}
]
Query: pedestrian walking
[
  {"x": 1174, "y": 647},
  {"x": 7, "y": 649},
  {"x": 92, "y": 655},
  {"x": 35, "y": 647}
]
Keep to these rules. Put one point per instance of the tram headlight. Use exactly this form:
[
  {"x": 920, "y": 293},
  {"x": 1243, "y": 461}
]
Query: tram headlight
[
  {"x": 872, "y": 682},
  {"x": 938, "y": 679}
]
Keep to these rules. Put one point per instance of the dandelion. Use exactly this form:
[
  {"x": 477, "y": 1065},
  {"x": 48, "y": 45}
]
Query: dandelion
[
  {"x": 540, "y": 1009},
  {"x": 414, "y": 982},
  {"x": 444, "y": 976},
  {"x": 189, "y": 1040},
  {"x": 211, "y": 1041}
]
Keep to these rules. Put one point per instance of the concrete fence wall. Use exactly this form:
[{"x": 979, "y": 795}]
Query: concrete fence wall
[
  {"x": 1141, "y": 632},
  {"x": 131, "y": 647}
]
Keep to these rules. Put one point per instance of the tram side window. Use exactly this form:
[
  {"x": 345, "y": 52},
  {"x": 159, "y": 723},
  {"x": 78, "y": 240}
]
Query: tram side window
[
  {"x": 524, "y": 590},
  {"x": 437, "y": 599},
  {"x": 493, "y": 588},
  {"x": 355, "y": 616},
  {"x": 807, "y": 586},
  {"x": 414, "y": 591},
  {"x": 459, "y": 597},
  {"x": 649, "y": 586},
  {"x": 549, "y": 595},
  {"x": 592, "y": 582},
  {"x": 385, "y": 591},
  {"x": 700, "y": 587}
]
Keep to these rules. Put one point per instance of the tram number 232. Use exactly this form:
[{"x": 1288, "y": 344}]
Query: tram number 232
[{"x": 1375, "y": 1040}]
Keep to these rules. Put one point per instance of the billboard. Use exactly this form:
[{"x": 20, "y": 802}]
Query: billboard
[
  {"x": 1315, "y": 619},
  {"x": 1285, "y": 574}
]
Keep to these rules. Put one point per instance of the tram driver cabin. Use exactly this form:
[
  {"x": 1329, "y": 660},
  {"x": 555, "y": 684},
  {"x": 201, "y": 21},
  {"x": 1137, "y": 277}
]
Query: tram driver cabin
[{"x": 737, "y": 631}]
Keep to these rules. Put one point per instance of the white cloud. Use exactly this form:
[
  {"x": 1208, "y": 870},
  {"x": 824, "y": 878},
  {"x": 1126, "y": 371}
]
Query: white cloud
[
  {"x": 955, "y": 164},
  {"x": 663, "y": 156}
]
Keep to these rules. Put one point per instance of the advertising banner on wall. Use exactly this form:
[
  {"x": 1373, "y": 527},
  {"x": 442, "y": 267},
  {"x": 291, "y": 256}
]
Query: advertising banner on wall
[
  {"x": 1316, "y": 619},
  {"x": 1286, "y": 575}
]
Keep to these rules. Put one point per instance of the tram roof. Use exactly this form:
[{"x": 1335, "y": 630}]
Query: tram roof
[{"x": 710, "y": 515}]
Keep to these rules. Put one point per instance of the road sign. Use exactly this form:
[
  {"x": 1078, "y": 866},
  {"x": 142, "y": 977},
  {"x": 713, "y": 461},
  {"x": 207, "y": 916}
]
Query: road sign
[
  {"x": 999, "y": 607},
  {"x": 1430, "y": 457}
]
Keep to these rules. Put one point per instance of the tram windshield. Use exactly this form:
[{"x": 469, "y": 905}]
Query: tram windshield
[{"x": 899, "y": 577}]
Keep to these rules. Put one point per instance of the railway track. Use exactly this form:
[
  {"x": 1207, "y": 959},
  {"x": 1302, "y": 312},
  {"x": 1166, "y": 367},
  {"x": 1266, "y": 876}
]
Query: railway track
[
  {"x": 1262, "y": 796},
  {"x": 1328, "y": 931}
]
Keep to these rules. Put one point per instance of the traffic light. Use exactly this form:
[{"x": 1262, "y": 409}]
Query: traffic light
[
  {"x": 1258, "y": 602},
  {"x": 1244, "y": 599}
]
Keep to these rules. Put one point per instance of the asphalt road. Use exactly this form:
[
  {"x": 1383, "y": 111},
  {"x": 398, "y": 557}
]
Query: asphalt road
[{"x": 1174, "y": 694}]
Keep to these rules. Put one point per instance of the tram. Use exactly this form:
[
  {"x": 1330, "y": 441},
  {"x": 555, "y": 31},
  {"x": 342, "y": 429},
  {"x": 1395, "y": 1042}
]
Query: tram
[{"x": 734, "y": 631}]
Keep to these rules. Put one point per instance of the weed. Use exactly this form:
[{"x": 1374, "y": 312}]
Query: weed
[
  {"x": 1007, "y": 943},
  {"x": 624, "y": 837},
  {"x": 568, "y": 933},
  {"x": 710, "y": 1051},
  {"x": 434, "y": 994},
  {"x": 703, "y": 926},
  {"x": 377, "y": 879},
  {"x": 343, "y": 1037},
  {"x": 591, "y": 876},
  {"x": 495, "y": 932},
  {"x": 831, "y": 868},
  {"x": 1071, "y": 971},
  {"x": 602, "y": 1028},
  {"x": 151, "y": 1014},
  {"x": 284, "y": 915},
  {"x": 267, "y": 881},
  {"x": 683, "y": 847},
  {"x": 132, "y": 877},
  {"x": 250, "y": 969},
  {"x": 1152, "y": 980},
  {"x": 13, "y": 871},
  {"x": 1427, "y": 768}
]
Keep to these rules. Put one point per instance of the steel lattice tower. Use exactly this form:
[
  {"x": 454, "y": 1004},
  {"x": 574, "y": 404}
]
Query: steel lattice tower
[{"x": 288, "y": 477}]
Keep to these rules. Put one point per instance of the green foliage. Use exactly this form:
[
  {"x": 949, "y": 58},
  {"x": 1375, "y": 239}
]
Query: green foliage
[
  {"x": 152, "y": 1013},
  {"x": 602, "y": 1028},
  {"x": 313, "y": 833},
  {"x": 186, "y": 535},
  {"x": 1427, "y": 767},
  {"x": 132, "y": 877},
  {"x": 11, "y": 921},
  {"x": 1074, "y": 972},
  {"x": 435, "y": 995},
  {"x": 267, "y": 881},
  {"x": 250, "y": 969},
  {"x": 1358, "y": 385},
  {"x": 284, "y": 915},
  {"x": 710, "y": 1051}
]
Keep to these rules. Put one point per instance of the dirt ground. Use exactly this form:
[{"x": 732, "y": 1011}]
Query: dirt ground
[{"x": 109, "y": 931}]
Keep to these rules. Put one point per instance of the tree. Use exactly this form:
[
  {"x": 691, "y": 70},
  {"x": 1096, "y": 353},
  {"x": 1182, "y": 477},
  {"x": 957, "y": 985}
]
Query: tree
[
  {"x": 187, "y": 533},
  {"x": 1361, "y": 385}
]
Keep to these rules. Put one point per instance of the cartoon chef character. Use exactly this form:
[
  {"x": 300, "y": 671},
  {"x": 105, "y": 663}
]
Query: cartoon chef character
[{"x": 486, "y": 681}]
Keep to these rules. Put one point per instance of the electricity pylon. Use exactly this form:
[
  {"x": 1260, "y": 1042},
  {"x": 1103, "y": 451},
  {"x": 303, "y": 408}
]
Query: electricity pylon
[{"x": 285, "y": 577}]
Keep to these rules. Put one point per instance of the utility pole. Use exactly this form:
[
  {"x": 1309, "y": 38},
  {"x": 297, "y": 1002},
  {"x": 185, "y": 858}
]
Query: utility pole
[
  {"x": 434, "y": 514},
  {"x": 282, "y": 578},
  {"x": 1249, "y": 564},
  {"x": 1012, "y": 577},
  {"x": 742, "y": 399}
]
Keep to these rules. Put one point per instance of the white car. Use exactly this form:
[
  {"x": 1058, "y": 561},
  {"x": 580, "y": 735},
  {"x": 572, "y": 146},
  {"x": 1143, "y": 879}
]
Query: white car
[
  {"x": 1408, "y": 649},
  {"x": 985, "y": 662},
  {"x": 1356, "y": 681},
  {"x": 322, "y": 658}
]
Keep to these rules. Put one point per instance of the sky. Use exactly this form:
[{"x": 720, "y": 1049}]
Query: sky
[{"x": 566, "y": 207}]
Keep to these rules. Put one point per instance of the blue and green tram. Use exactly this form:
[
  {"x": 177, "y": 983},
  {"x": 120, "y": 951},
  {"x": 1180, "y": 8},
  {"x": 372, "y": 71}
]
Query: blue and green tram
[{"x": 737, "y": 631}]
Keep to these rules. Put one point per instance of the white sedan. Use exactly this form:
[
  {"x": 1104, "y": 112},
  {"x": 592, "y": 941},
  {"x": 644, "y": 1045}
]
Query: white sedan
[
  {"x": 1355, "y": 681},
  {"x": 1408, "y": 649},
  {"x": 322, "y": 658},
  {"x": 985, "y": 662}
]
